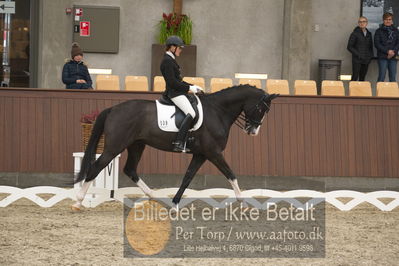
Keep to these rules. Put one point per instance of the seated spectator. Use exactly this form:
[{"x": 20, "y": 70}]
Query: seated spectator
[{"x": 75, "y": 74}]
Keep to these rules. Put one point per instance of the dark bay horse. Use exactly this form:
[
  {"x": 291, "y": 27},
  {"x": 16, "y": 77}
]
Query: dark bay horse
[{"x": 133, "y": 124}]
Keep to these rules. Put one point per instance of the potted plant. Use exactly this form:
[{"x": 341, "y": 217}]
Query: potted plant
[
  {"x": 87, "y": 121},
  {"x": 174, "y": 24},
  {"x": 180, "y": 25}
]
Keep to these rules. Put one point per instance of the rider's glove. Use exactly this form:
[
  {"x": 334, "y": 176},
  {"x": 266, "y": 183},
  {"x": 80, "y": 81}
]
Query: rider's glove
[{"x": 195, "y": 89}]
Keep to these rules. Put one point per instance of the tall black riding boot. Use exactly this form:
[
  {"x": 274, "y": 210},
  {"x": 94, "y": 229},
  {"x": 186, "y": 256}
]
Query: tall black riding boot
[{"x": 182, "y": 134}]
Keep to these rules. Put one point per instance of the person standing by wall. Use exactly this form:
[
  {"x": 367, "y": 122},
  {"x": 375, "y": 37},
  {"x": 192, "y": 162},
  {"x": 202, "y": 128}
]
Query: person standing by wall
[
  {"x": 75, "y": 74},
  {"x": 386, "y": 40},
  {"x": 360, "y": 44}
]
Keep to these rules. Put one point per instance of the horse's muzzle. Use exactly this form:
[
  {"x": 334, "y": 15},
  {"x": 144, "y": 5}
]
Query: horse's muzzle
[{"x": 252, "y": 131}]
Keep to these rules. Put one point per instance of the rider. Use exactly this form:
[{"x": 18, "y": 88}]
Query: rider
[{"x": 177, "y": 89}]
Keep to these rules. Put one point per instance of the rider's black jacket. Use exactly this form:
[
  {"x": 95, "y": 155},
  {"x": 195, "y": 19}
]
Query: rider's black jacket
[{"x": 175, "y": 85}]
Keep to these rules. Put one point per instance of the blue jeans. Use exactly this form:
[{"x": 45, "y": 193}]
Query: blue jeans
[{"x": 383, "y": 64}]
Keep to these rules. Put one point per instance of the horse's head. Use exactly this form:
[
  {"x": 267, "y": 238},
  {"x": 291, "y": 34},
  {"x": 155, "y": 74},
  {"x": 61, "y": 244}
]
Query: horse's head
[{"x": 254, "y": 114}]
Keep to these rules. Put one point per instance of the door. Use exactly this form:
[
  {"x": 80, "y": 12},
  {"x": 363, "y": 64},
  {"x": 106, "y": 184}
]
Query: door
[{"x": 15, "y": 43}]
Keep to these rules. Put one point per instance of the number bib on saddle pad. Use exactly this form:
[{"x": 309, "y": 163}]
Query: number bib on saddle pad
[{"x": 170, "y": 117}]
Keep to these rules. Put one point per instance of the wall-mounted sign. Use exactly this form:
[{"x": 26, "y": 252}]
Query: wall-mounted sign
[
  {"x": 7, "y": 7},
  {"x": 79, "y": 12},
  {"x": 98, "y": 28},
  {"x": 85, "y": 28}
]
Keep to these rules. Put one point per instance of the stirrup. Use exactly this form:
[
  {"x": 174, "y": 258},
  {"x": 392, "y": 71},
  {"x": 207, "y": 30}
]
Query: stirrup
[{"x": 180, "y": 146}]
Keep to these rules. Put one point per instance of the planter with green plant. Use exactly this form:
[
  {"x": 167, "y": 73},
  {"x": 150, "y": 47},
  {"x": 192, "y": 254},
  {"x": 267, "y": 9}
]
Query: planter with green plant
[{"x": 173, "y": 24}]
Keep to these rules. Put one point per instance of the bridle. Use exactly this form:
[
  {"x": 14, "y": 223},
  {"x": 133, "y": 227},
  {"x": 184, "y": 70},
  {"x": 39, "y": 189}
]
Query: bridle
[{"x": 242, "y": 119}]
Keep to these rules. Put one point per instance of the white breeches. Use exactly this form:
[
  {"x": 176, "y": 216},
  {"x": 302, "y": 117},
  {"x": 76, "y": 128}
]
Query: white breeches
[{"x": 184, "y": 104}]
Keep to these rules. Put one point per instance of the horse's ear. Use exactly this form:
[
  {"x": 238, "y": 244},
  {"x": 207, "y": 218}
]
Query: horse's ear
[{"x": 273, "y": 96}]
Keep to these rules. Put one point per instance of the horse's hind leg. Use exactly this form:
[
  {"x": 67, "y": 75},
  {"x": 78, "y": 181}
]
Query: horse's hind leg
[
  {"x": 95, "y": 169},
  {"x": 134, "y": 154},
  {"x": 219, "y": 161}
]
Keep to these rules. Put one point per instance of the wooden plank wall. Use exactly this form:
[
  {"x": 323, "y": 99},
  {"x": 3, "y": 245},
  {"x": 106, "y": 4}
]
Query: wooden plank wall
[{"x": 301, "y": 136}]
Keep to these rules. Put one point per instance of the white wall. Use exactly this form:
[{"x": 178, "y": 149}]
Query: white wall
[{"x": 244, "y": 37}]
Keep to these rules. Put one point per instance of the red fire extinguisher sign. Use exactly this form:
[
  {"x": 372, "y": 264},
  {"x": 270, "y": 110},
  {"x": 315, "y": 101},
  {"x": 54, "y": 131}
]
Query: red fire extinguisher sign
[{"x": 85, "y": 28}]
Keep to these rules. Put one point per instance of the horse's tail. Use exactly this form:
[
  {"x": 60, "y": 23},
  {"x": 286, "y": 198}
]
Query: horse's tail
[{"x": 90, "y": 153}]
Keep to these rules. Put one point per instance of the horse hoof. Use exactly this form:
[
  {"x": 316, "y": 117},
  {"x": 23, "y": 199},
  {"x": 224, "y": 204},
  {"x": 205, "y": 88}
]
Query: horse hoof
[{"x": 76, "y": 207}]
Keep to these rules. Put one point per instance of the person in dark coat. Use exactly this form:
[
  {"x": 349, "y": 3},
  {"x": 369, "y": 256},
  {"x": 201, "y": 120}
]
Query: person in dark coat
[
  {"x": 392, "y": 6},
  {"x": 177, "y": 89},
  {"x": 75, "y": 74},
  {"x": 386, "y": 40},
  {"x": 360, "y": 44}
]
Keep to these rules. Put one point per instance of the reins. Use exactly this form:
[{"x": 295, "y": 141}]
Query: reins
[{"x": 238, "y": 123}]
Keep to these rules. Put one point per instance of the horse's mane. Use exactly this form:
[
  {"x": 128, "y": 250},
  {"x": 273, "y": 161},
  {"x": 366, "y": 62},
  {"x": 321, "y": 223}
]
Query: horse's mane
[{"x": 232, "y": 88}]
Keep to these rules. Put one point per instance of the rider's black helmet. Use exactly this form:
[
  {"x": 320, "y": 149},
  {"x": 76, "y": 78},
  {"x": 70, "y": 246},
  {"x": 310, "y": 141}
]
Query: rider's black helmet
[{"x": 174, "y": 40}]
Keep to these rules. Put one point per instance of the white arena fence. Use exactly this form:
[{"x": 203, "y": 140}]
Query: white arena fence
[
  {"x": 214, "y": 196},
  {"x": 105, "y": 188}
]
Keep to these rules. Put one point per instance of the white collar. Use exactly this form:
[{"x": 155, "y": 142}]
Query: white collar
[{"x": 170, "y": 54}]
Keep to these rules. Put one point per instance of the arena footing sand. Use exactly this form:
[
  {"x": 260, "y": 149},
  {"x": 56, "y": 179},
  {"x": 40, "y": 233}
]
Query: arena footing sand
[{"x": 33, "y": 235}]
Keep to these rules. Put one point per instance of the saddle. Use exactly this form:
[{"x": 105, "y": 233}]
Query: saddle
[{"x": 170, "y": 117}]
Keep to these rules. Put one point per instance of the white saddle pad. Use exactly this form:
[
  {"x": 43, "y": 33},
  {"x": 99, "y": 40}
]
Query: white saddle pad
[{"x": 166, "y": 117}]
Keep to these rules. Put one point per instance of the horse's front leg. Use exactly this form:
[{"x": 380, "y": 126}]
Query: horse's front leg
[
  {"x": 135, "y": 152},
  {"x": 219, "y": 161},
  {"x": 196, "y": 162}
]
